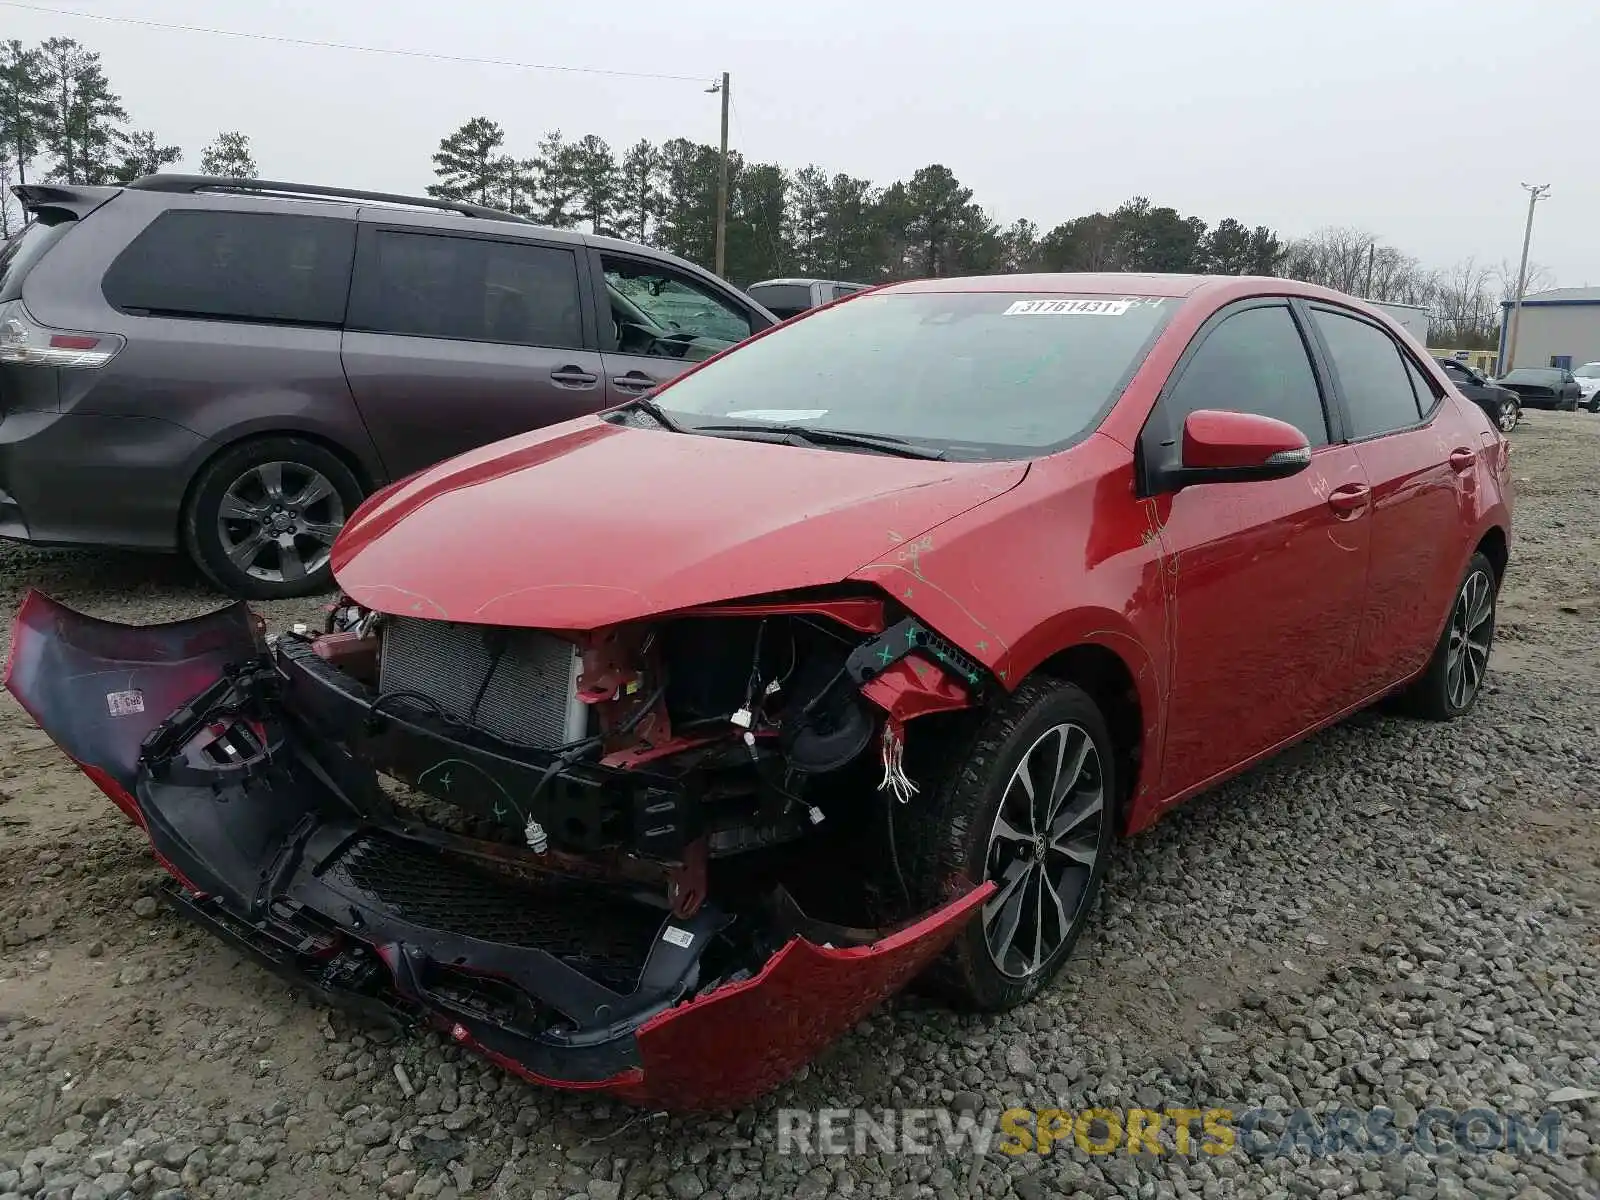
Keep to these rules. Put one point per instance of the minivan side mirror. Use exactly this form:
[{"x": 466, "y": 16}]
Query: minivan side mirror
[{"x": 1236, "y": 447}]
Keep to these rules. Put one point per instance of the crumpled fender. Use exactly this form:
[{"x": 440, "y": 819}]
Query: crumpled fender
[{"x": 98, "y": 687}]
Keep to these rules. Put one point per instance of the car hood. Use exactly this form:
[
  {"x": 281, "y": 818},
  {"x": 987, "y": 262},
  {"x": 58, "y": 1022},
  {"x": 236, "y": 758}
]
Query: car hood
[{"x": 590, "y": 524}]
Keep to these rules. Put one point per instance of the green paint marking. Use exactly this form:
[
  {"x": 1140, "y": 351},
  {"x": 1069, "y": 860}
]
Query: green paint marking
[
  {"x": 982, "y": 646},
  {"x": 911, "y": 635},
  {"x": 442, "y": 773},
  {"x": 886, "y": 656}
]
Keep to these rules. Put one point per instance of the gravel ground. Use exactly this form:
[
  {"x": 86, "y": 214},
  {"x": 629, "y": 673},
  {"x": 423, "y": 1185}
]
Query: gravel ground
[{"x": 1393, "y": 914}]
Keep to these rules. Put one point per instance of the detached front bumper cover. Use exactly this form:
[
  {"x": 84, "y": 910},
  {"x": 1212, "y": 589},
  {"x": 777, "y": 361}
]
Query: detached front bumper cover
[{"x": 280, "y": 841}]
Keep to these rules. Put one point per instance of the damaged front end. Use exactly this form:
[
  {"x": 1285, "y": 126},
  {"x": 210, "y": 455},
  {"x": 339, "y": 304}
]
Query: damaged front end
[{"x": 656, "y": 860}]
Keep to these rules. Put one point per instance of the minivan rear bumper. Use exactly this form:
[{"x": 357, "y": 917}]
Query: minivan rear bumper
[{"x": 75, "y": 479}]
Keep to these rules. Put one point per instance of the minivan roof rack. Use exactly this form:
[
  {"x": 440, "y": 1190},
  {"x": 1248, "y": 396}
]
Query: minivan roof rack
[{"x": 190, "y": 184}]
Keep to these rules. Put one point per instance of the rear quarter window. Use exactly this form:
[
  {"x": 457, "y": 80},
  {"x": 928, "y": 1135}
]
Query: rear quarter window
[
  {"x": 23, "y": 251},
  {"x": 284, "y": 268}
]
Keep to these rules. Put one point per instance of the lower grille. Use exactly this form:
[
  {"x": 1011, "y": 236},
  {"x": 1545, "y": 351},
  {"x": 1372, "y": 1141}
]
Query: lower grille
[
  {"x": 517, "y": 684},
  {"x": 604, "y": 937}
]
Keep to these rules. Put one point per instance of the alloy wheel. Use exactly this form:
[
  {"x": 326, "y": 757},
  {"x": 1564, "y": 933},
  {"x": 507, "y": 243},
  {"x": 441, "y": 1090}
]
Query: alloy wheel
[
  {"x": 277, "y": 521},
  {"x": 1042, "y": 850},
  {"x": 1471, "y": 628},
  {"x": 1508, "y": 416}
]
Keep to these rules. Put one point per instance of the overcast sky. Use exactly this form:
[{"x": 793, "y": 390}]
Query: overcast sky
[{"x": 1413, "y": 119}]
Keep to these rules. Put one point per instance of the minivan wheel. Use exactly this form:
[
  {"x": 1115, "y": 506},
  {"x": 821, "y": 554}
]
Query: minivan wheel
[
  {"x": 263, "y": 515},
  {"x": 1029, "y": 806}
]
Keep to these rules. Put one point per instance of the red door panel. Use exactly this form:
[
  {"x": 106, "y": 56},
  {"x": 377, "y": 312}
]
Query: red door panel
[
  {"x": 1419, "y": 497},
  {"x": 1267, "y": 583}
]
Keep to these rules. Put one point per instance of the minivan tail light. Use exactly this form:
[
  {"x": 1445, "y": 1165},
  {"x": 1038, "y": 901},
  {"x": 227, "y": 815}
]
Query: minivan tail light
[{"x": 24, "y": 341}]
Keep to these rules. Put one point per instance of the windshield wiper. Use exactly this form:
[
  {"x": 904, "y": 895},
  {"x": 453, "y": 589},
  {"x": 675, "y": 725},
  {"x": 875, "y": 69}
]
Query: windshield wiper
[
  {"x": 645, "y": 404},
  {"x": 805, "y": 435}
]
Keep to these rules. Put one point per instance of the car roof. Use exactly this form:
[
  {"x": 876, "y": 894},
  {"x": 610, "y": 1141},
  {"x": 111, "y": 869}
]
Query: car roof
[
  {"x": 1109, "y": 283},
  {"x": 788, "y": 281}
]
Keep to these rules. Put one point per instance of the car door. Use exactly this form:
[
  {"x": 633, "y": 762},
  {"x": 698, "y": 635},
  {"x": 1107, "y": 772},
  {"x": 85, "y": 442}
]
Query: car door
[
  {"x": 663, "y": 321},
  {"x": 1266, "y": 580},
  {"x": 456, "y": 339},
  {"x": 1417, "y": 451}
]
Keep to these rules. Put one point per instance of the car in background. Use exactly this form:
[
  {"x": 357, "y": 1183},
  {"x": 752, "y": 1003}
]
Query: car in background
[
  {"x": 229, "y": 367},
  {"x": 791, "y": 297},
  {"x": 1543, "y": 387},
  {"x": 839, "y": 661},
  {"x": 1588, "y": 377},
  {"x": 1503, "y": 405}
]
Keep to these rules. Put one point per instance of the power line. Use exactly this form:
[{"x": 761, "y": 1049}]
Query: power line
[{"x": 321, "y": 45}]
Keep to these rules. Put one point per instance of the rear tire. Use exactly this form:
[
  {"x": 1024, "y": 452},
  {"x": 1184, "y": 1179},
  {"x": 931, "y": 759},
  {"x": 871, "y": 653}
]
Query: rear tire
[
  {"x": 262, "y": 517},
  {"x": 1450, "y": 684},
  {"x": 1047, "y": 858},
  {"x": 1509, "y": 415}
]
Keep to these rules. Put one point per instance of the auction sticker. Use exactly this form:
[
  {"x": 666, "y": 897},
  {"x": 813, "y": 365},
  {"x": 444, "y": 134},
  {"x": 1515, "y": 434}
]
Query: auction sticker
[
  {"x": 125, "y": 704},
  {"x": 1068, "y": 308}
]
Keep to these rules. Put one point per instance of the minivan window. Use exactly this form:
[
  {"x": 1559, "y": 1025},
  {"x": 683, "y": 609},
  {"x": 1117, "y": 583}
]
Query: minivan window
[
  {"x": 467, "y": 289},
  {"x": 237, "y": 266},
  {"x": 25, "y": 248},
  {"x": 979, "y": 374},
  {"x": 672, "y": 304}
]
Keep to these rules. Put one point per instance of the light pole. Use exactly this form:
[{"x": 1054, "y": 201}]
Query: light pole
[
  {"x": 722, "y": 179},
  {"x": 1536, "y": 192}
]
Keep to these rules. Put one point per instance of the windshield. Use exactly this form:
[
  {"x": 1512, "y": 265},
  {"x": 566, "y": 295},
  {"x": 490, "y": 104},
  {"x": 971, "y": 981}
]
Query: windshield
[
  {"x": 976, "y": 374},
  {"x": 1588, "y": 371},
  {"x": 1543, "y": 376}
]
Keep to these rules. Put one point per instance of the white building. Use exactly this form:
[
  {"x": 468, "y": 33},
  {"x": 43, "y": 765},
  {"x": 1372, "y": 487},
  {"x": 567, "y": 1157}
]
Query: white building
[{"x": 1558, "y": 328}]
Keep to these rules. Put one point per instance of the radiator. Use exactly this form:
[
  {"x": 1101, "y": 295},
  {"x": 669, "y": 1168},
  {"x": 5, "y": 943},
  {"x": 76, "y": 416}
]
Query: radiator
[{"x": 523, "y": 681}]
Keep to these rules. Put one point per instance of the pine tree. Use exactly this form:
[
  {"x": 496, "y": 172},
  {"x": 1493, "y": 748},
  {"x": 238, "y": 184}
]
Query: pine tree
[
  {"x": 639, "y": 202},
  {"x": 83, "y": 121},
  {"x": 555, "y": 182},
  {"x": 144, "y": 155},
  {"x": 468, "y": 164},
  {"x": 597, "y": 185},
  {"x": 23, "y": 106},
  {"x": 229, "y": 157}
]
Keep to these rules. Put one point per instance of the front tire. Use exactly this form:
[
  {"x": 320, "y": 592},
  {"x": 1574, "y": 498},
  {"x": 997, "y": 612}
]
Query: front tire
[
  {"x": 262, "y": 517},
  {"x": 1031, "y": 806},
  {"x": 1451, "y": 682}
]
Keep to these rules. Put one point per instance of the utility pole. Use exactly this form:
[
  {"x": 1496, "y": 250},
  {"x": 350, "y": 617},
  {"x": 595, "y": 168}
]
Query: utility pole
[
  {"x": 1536, "y": 192},
  {"x": 1372, "y": 255},
  {"x": 722, "y": 179}
]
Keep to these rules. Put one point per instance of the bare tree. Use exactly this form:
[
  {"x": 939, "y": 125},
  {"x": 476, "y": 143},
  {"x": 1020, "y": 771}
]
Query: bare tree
[
  {"x": 1465, "y": 307},
  {"x": 1355, "y": 261},
  {"x": 1540, "y": 279}
]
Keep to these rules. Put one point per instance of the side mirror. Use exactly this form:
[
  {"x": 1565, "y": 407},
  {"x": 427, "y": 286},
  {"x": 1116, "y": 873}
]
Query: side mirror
[{"x": 1235, "y": 447}]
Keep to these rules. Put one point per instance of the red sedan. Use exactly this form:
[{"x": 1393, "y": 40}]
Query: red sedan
[{"x": 837, "y": 662}]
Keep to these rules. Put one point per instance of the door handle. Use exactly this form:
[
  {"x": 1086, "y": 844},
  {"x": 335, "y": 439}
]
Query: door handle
[
  {"x": 1350, "y": 500},
  {"x": 633, "y": 381},
  {"x": 1461, "y": 458},
  {"x": 572, "y": 376}
]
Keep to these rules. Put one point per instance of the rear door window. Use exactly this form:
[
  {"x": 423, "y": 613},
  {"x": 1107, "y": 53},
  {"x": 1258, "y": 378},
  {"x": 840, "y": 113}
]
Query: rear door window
[
  {"x": 238, "y": 266},
  {"x": 1372, "y": 374},
  {"x": 467, "y": 289}
]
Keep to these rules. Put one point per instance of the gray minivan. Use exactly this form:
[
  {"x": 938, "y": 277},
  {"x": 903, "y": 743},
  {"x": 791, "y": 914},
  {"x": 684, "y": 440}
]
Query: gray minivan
[{"x": 228, "y": 367}]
